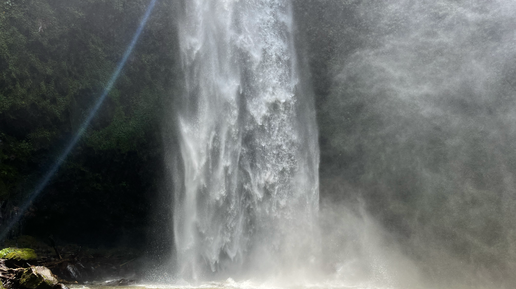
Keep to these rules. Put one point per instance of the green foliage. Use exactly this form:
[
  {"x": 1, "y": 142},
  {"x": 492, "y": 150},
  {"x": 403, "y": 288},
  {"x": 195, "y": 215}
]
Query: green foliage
[{"x": 56, "y": 57}]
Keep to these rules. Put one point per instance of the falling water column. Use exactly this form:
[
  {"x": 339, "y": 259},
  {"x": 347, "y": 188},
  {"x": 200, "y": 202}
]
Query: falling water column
[{"x": 246, "y": 191}]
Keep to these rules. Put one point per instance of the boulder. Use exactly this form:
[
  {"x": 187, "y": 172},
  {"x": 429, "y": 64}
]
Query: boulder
[{"x": 37, "y": 277}]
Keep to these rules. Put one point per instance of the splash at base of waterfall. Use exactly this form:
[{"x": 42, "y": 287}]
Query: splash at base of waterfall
[{"x": 231, "y": 284}]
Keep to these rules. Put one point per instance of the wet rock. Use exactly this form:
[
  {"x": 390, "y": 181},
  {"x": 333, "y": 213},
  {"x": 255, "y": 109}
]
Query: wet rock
[
  {"x": 37, "y": 277},
  {"x": 119, "y": 282},
  {"x": 18, "y": 254},
  {"x": 72, "y": 271},
  {"x": 60, "y": 286}
]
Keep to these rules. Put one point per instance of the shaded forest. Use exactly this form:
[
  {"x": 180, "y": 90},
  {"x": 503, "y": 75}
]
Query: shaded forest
[{"x": 55, "y": 61}]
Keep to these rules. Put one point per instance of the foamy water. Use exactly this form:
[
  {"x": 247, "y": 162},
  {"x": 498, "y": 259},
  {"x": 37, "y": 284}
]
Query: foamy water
[{"x": 231, "y": 284}]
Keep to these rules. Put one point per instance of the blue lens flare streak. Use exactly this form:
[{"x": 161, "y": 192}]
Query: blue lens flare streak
[{"x": 48, "y": 176}]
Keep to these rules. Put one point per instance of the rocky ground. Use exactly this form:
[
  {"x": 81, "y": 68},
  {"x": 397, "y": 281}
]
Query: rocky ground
[{"x": 27, "y": 263}]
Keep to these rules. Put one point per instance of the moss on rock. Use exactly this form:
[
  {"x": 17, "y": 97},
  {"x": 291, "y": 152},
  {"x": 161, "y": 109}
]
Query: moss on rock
[{"x": 18, "y": 254}]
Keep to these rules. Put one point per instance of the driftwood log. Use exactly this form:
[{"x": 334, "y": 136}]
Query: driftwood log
[{"x": 7, "y": 275}]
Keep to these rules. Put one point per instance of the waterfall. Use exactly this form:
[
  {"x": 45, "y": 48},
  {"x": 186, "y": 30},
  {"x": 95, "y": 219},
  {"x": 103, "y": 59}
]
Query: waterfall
[{"x": 246, "y": 183}]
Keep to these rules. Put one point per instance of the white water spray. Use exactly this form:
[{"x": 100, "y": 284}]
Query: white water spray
[{"x": 247, "y": 183}]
